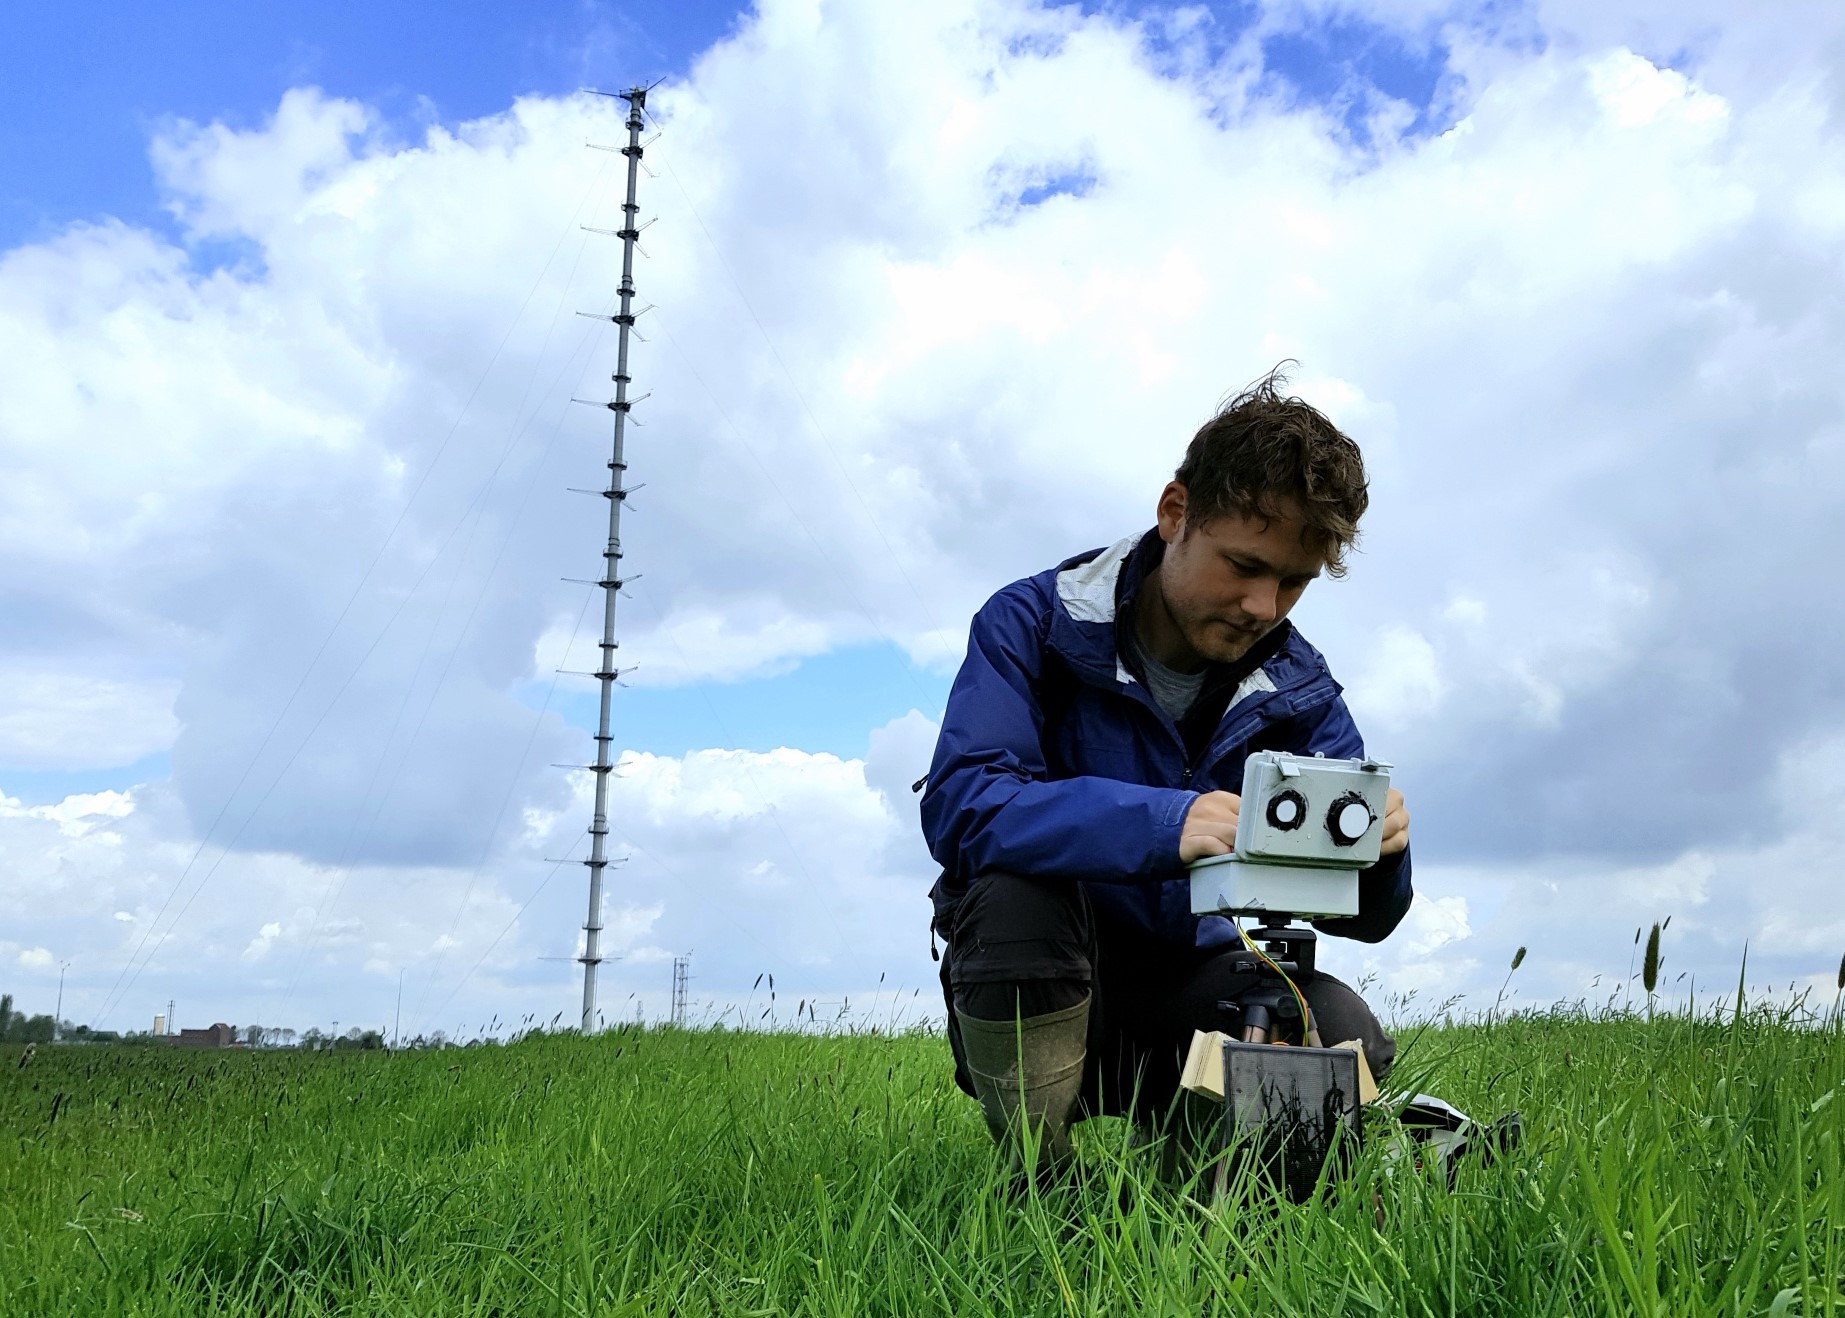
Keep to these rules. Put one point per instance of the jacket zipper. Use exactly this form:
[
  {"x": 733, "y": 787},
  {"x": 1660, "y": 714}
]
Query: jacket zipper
[
  {"x": 1252, "y": 720},
  {"x": 1245, "y": 728}
]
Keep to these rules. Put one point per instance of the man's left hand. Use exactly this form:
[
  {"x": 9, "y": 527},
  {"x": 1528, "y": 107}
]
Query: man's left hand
[{"x": 1396, "y": 824}]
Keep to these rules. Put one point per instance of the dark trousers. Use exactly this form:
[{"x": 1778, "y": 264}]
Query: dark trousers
[{"x": 1021, "y": 947}]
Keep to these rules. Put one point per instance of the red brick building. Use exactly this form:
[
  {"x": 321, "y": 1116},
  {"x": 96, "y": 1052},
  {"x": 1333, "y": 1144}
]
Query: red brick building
[{"x": 214, "y": 1036}]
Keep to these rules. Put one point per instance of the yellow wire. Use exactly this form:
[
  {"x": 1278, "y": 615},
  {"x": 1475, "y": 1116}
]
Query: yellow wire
[{"x": 1306, "y": 1020}]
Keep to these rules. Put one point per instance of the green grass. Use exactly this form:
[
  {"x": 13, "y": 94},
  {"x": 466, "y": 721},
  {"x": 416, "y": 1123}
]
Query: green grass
[{"x": 1670, "y": 1167}]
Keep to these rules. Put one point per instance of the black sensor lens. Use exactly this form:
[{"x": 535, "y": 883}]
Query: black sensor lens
[
  {"x": 1349, "y": 819},
  {"x": 1287, "y": 810}
]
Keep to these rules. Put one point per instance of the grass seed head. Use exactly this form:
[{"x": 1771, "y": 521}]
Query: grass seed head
[
  {"x": 1649, "y": 968},
  {"x": 1518, "y": 959}
]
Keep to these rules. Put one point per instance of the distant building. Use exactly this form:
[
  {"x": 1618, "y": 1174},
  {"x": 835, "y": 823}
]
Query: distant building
[{"x": 215, "y": 1036}]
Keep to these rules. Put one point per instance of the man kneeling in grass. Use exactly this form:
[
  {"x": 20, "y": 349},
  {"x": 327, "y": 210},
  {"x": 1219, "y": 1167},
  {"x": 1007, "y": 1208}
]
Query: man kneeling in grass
[{"x": 1103, "y": 710}]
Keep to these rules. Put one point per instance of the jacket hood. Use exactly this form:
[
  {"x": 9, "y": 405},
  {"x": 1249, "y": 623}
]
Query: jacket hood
[{"x": 1094, "y": 595}]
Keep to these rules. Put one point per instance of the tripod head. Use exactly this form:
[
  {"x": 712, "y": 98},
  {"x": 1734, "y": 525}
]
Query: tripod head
[{"x": 1267, "y": 1007}]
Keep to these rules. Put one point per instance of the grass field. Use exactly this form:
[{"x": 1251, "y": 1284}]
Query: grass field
[{"x": 1675, "y": 1166}]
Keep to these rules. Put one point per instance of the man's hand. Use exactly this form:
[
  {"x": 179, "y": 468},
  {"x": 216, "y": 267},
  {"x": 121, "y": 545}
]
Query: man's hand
[
  {"x": 1210, "y": 827},
  {"x": 1396, "y": 824}
]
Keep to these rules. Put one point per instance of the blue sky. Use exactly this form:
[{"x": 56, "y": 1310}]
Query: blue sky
[
  {"x": 83, "y": 88},
  {"x": 882, "y": 388},
  {"x": 83, "y": 85},
  {"x": 828, "y": 703}
]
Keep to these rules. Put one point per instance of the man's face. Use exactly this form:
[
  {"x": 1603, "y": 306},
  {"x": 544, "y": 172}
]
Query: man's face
[{"x": 1229, "y": 582}]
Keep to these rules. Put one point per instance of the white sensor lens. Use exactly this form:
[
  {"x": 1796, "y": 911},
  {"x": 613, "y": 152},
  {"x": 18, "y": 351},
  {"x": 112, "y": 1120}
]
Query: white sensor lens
[
  {"x": 1354, "y": 819},
  {"x": 1286, "y": 811}
]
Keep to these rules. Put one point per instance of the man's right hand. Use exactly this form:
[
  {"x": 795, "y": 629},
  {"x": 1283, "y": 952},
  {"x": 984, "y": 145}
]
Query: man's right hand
[{"x": 1210, "y": 826}]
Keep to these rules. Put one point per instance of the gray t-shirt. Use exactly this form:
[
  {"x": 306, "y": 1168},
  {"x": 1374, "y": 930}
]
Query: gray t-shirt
[{"x": 1171, "y": 690}]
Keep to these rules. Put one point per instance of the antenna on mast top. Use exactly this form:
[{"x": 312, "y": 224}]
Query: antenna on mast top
[{"x": 611, "y": 579}]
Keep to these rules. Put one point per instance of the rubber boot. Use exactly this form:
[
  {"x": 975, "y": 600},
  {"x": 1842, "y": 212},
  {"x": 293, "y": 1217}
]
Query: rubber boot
[{"x": 1034, "y": 1065}]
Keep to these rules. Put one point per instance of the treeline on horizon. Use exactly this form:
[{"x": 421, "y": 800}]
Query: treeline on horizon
[{"x": 18, "y": 1027}]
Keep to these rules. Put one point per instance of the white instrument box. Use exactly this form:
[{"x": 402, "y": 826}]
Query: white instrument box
[{"x": 1306, "y": 827}]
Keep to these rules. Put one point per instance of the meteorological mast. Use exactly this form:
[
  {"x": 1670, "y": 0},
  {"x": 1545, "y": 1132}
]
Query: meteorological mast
[{"x": 616, "y": 493}]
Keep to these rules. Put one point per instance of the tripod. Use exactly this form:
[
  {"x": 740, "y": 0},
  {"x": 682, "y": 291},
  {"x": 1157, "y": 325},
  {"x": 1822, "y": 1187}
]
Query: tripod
[
  {"x": 1270, "y": 1006},
  {"x": 1288, "y": 1101}
]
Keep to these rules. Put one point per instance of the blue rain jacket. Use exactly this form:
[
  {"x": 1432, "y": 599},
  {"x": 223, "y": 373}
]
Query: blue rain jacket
[{"x": 1055, "y": 761}]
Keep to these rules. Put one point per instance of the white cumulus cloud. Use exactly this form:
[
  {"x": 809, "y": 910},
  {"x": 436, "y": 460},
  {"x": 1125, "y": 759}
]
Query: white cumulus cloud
[{"x": 299, "y": 519}]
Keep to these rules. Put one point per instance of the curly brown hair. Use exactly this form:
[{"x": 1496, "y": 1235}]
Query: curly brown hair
[{"x": 1263, "y": 448}]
